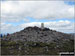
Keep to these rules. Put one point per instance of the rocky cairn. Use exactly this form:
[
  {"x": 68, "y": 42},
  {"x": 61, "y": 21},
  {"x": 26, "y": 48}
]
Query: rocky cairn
[{"x": 37, "y": 34}]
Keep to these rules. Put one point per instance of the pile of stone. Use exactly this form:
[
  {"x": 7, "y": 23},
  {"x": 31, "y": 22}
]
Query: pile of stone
[{"x": 37, "y": 34}]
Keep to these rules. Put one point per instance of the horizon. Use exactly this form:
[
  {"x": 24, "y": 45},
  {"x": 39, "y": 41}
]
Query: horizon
[
  {"x": 33, "y": 27},
  {"x": 56, "y": 15}
]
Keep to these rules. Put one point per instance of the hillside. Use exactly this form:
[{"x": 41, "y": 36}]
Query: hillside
[{"x": 37, "y": 41}]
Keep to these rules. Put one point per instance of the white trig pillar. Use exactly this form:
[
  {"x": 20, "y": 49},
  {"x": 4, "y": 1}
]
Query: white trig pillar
[{"x": 42, "y": 25}]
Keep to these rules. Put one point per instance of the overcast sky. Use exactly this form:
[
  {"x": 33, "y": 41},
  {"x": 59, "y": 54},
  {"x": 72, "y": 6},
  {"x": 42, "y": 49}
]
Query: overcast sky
[{"x": 56, "y": 15}]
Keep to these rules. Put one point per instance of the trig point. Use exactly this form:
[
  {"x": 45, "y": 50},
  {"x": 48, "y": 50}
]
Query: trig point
[{"x": 42, "y": 25}]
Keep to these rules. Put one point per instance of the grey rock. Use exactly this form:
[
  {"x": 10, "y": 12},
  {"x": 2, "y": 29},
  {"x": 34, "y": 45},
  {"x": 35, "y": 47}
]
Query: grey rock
[{"x": 37, "y": 34}]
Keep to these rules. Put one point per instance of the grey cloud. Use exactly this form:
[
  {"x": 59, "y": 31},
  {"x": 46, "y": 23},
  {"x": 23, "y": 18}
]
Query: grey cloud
[{"x": 36, "y": 9}]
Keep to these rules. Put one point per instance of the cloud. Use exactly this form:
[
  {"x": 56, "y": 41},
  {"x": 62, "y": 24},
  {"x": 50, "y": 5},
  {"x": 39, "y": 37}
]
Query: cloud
[
  {"x": 61, "y": 26},
  {"x": 9, "y": 28},
  {"x": 16, "y": 11}
]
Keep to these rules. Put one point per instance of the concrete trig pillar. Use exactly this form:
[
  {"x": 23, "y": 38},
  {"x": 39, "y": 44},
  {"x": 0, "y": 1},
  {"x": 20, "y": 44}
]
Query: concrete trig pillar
[{"x": 42, "y": 25}]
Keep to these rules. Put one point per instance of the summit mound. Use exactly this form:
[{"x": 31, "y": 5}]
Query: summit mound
[{"x": 37, "y": 34}]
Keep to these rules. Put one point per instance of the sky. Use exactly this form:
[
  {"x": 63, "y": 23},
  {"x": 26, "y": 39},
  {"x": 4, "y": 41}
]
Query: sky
[{"x": 56, "y": 15}]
